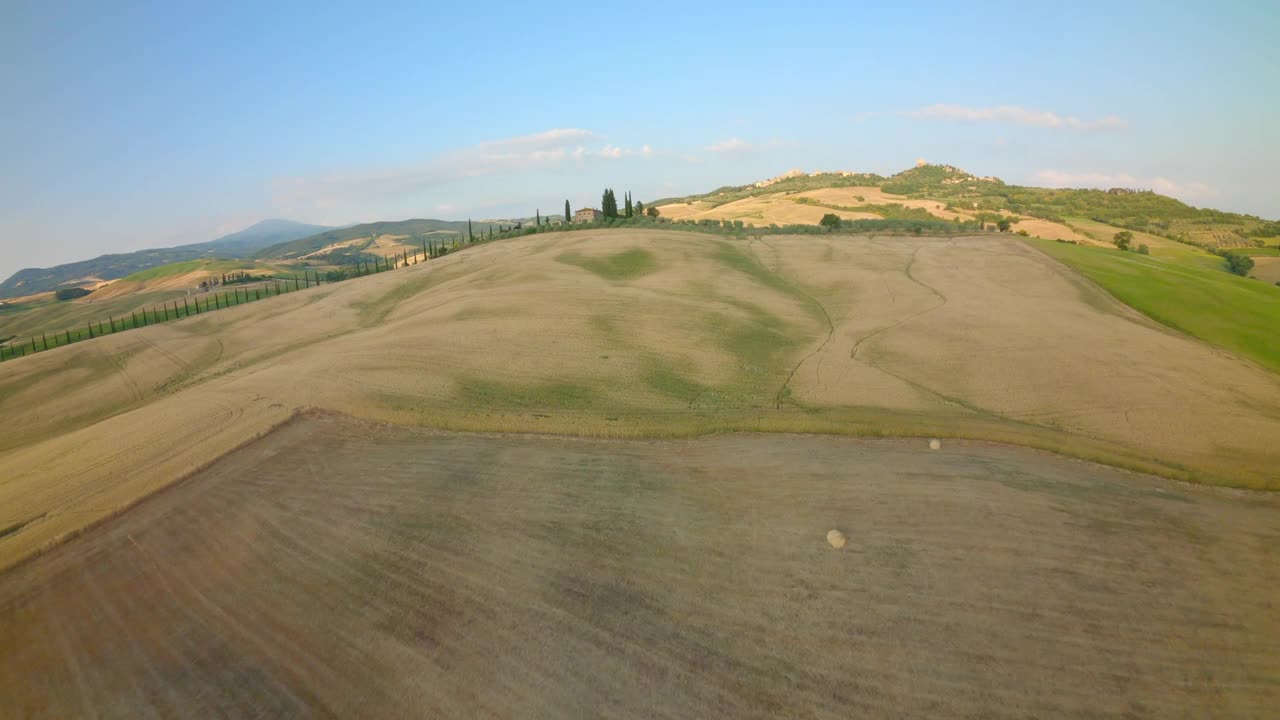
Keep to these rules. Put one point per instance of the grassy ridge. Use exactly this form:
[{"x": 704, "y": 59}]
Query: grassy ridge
[
  {"x": 1234, "y": 313},
  {"x": 190, "y": 266}
]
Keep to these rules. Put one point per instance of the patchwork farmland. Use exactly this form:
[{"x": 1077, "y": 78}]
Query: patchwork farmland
[{"x": 321, "y": 492}]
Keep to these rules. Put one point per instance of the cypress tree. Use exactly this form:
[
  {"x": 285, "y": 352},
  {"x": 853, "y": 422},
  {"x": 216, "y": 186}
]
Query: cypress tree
[
  {"x": 68, "y": 337},
  {"x": 537, "y": 218},
  {"x": 90, "y": 325},
  {"x": 567, "y": 217},
  {"x": 470, "y": 237},
  {"x": 45, "y": 340}
]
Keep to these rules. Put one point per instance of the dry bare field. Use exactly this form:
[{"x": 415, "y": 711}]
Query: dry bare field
[
  {"x": 631, "y": 333},
  {"x": 776, "y": 209},
  {"x": 782, "y": 209},
  {"x": 340, "y": 568},
  {"x": 1266, "y": 269}
]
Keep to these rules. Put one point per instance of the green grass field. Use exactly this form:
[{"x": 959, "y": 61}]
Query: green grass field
[
  {"x": 182, "y": 268},
  {"x": 1257, "y": 251},
  {"x": 1161, "y": 248},
  {"x": 52, "y": 316},
  {"x": 1234, "y": 313}
]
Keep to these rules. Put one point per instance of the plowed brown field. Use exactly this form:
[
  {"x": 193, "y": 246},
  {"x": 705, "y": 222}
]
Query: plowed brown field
[{"x": 346, "y": 569}]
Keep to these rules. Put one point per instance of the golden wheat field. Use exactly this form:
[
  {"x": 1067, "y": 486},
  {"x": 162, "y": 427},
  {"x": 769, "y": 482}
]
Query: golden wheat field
[{"x": 641, "y": 333}]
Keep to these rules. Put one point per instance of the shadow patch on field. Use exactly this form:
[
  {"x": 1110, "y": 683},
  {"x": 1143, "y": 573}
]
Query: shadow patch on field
[
  {"x": 619, "y": 267},
  {"x": 477, "y": 392}
]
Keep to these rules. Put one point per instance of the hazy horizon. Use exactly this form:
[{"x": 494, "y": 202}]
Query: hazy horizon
[{"x": 132, "y": 128}]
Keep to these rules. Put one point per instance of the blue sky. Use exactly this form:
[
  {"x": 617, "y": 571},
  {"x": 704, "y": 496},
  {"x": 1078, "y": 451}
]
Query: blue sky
[{"x": 130, "y": 125}]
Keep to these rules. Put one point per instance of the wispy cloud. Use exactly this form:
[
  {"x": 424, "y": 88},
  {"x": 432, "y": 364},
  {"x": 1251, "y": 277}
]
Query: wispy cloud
[
  {"x": 1162, "y": 185},
  {"x": 493, "y": 157},
  {"x": 1013, "y": 115},
  {"x": 730, "y": 145}
]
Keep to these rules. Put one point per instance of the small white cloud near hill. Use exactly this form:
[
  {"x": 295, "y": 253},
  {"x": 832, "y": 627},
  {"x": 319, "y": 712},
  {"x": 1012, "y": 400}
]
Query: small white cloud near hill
[
  {"x": 1013, "y": 115},
  {"x": 730, "y": 145},
  {"x": 1164, "y": 186}
]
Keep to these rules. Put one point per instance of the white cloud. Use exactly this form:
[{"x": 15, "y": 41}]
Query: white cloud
[
  {"x": 730, "y": 145},
  {"x": 1013, "y": 115},
  {"x": 493, "y": 157},
  {"x": 1162, "y": 185}
]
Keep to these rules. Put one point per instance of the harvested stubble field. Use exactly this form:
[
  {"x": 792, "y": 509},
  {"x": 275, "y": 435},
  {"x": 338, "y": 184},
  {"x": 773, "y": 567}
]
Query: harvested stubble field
[
  {"x": 341, "y": 568},
  {"x": 641, "y": 333}
]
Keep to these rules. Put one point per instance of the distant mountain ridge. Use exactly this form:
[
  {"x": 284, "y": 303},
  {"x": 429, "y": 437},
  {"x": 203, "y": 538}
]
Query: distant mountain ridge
[{"x": 242, "y": 243}]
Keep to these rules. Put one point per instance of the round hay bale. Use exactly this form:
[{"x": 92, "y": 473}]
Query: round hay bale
[
  {"x": 935, "y": 444},
  {"x": 836, "y": 538}
]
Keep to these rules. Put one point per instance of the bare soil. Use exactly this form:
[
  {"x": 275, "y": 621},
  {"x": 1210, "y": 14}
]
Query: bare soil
[
  {"x": 1266, "y": 269},
  {"x": 340, "y": 568}
]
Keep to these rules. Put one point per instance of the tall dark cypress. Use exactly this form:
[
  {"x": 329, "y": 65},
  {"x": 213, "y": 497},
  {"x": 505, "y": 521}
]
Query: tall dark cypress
[
  {"x": 567, "y": 217},
  {"x": 537, "y": 219},
  {"x": 470, "y": 236}
]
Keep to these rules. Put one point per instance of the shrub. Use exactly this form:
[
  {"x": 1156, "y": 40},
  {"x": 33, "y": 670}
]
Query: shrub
[
  {"x": 830, "y": 221},
  {"x": 1024, "y": 233},
  {"x": 1122, "y": 239},
  {"x": 1239, "y": 264},
  {"x": 70, "y": 293},
  {"x": 1003, "y": 225},
  {"x": 1143, "y": 249}
]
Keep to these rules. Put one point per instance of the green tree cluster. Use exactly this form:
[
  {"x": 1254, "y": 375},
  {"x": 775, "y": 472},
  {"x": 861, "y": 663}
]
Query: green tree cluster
[
  {"x": 1239, "y": 264},
  {"x": 609, "y": 205}
]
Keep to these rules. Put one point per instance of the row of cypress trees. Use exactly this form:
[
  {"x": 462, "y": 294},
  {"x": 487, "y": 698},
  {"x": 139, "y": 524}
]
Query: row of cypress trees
[{"x": 174, "y": 310}]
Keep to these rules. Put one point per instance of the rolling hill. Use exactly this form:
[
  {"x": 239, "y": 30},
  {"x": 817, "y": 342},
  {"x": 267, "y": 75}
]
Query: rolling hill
[
  {"x": 111, "y": 267},
  {"x": 409, "y": 230},
  {"x": 949, "y": 193},
  {"x": 321, "y": 490},
  {"x": 643, "y": 333}
]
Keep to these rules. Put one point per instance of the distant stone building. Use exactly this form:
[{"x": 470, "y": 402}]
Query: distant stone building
[{"x": 586, "y": 215}]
